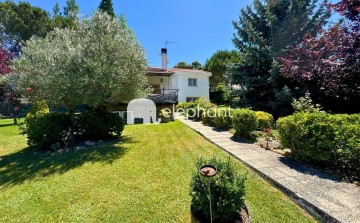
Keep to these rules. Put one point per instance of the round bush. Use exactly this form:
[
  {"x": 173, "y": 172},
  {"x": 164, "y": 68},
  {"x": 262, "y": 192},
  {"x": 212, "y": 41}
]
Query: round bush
[
  {"x": 227, "y": 192},
  {"x": 38, "y": 109},
  {"x": 223, "y": 119},
  {"x": 264, "y": 120},
  {"x": 201, "y": 105},
  {"x": 208, "y": 118},
  {"x": 47, "y": 129},
  {"x": 97, "y": 124},
  {"x": 190, "y": 110},
  {"x": 310, "y": 136},
  {"x": 244, "y": 122},
  {"x": 165, "y": 116},
  {"x": 181, "y": 105}
]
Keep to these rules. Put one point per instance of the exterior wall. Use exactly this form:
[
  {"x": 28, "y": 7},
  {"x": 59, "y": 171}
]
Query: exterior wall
[
  {"x": 201, "y": 90},
  {"x": 167, "y": 83},
  {"x": 179, "y": 81}
]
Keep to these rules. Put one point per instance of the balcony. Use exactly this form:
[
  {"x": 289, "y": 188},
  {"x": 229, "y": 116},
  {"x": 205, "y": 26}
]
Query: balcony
[{"x": 164, "y": 96}]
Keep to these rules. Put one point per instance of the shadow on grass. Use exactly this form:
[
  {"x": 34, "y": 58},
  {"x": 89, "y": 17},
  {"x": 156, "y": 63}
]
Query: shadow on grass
[
  {"x": 29, "y": 164},
  {"x": 6, "y": 125}
]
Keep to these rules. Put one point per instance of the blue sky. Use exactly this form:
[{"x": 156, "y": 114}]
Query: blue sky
[{"x": 198, "y": 27}]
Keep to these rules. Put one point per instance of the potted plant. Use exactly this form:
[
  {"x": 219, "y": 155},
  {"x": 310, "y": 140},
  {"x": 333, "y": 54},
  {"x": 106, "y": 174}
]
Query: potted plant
[{"x": 227, "y": 189}]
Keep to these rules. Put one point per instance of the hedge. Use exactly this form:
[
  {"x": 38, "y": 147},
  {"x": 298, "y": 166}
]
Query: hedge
[{"x": 330, "y": 140}]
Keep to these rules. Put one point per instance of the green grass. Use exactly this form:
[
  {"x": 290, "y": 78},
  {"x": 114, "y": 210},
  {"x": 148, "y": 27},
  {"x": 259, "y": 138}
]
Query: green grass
[{"x": 143, "y": 178}]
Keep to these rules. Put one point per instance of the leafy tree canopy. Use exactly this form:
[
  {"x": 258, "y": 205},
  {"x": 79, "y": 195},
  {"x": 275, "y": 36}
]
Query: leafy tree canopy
[
  {"x": 5, "y": 58},
  {"x": 217, "y": 65},
  {"x": 19, "y": 22},
  {"x": 99, "y": 62},
  {"x": 196, "y": 65},
  {"x": 328, "y": 64}
]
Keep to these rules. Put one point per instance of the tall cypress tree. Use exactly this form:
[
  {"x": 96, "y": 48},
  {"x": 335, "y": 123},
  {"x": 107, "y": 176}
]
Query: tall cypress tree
[
  {"x": 263, "y": 33},
  {"x": 107, "y": 6}
]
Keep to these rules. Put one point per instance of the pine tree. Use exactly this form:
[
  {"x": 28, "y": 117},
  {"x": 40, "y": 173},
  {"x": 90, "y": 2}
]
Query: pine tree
[
  {"x": 107, "y": 6},
  {"x": 218, "y": 63},
  {"x": 263, "y": 33},
  {"x": 56, "y": 10},
  {"x": 66, "y": 19},
  {"x": 71, "y": 9}
]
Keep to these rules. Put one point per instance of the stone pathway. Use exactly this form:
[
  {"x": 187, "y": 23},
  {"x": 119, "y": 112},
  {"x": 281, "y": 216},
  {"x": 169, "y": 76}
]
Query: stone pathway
[{"x": 320, "y": 193}]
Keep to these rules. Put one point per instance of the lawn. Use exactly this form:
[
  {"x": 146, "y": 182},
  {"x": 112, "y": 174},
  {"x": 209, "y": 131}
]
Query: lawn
[{"x": 143, "y": 178}]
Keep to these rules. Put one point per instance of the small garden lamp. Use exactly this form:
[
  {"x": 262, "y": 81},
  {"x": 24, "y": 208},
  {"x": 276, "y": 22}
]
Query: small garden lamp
[{"x": 208, "y": 171}]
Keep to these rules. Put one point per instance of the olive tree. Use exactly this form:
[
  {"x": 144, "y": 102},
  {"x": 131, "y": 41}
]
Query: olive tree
[{"x": 99, "y": 62}]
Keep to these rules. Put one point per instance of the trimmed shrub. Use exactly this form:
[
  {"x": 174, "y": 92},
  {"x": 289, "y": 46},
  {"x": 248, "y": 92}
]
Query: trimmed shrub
[
  {"x": 244, "y": 122},
  {"x": 227, "y": 192},
  {"x": 300, "y": 133},
  {"x": 223, "y": 119},
  {"x": 43, "y": 128},
  {"x": 330, "y": 140},
  {"x": 264, "y": 120},
  {"x": 47, "y": 129},
  {"x": 38, "y": 109},
  {"x": 188, "y": 108},
  {"x": 181, "y": 105},
  {"x": 202, "y": 105},
  {"x": 97, "y": 124},
  {"x": 194, "y": 110},
  {"x": 164, "y": 115},
  {"x": 208, "y": 118}
]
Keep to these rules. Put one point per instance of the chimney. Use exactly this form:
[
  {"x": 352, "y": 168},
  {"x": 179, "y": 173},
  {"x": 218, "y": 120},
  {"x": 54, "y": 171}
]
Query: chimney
[{"x": 164, "y": 58}]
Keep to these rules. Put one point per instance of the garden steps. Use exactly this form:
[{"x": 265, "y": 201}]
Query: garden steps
[{"x": 323, "y": 195}]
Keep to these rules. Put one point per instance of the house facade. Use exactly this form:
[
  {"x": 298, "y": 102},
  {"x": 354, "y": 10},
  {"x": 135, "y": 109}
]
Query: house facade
[{"x": 177, "y": 85}]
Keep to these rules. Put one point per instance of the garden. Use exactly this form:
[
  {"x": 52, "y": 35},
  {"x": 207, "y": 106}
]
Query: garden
[
  {"x": 68, "y": 157},
  {"x": 327, "y": 141},
  {"x": 136, "y": 179}
]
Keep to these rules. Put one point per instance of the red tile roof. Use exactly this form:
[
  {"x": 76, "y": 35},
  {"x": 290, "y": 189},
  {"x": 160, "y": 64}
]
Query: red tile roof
[{"x": 154, "y": 71}]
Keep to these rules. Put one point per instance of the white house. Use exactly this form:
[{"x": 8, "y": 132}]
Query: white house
[{"x": 175, "y": 85}]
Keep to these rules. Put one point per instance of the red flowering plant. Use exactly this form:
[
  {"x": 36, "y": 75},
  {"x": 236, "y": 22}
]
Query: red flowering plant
[{"x": 29, "y": 90}]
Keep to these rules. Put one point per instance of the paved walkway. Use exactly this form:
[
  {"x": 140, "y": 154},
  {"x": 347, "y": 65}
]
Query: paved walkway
[{"x": 323, "y": 195}]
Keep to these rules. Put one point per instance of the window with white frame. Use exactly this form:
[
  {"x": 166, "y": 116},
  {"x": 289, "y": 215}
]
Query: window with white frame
[{"x": 192, "y": 82}]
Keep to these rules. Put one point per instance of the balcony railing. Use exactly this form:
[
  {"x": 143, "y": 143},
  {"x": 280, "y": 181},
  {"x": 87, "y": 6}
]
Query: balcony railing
[{"x": 164, "y": 96}]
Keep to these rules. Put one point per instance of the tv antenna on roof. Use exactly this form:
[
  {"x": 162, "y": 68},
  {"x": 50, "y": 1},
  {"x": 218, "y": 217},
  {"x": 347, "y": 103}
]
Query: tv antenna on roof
[{"x": 168, "y": 42}]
